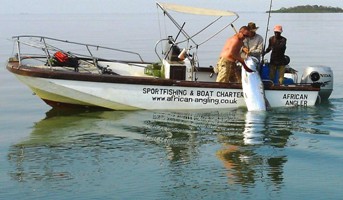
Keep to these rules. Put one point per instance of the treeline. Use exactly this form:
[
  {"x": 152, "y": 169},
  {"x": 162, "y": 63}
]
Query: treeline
[{"x": 309, "y": 9}]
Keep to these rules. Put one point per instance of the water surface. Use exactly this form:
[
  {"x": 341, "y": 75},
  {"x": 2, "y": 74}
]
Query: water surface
[{"x": 293, "y": 153}]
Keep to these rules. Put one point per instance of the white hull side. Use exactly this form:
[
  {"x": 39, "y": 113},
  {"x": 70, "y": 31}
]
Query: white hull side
[
  {"x": 134, "y": 97},
  {"x": 289, "y": 98}
]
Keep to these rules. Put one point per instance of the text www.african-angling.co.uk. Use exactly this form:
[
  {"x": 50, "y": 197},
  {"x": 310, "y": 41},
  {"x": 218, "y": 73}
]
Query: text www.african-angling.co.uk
[{"x": 206, "y": 100}]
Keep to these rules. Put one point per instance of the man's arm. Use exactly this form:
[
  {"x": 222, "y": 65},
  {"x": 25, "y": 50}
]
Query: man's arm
[
  {"x": 269, "y": 48},
  {"x": 235, "y": 54}
]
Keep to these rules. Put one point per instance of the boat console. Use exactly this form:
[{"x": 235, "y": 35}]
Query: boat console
[{"x": 176, "y": 63}]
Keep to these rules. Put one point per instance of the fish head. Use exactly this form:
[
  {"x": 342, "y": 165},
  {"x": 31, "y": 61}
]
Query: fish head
[{"x": 251, "y": 62}]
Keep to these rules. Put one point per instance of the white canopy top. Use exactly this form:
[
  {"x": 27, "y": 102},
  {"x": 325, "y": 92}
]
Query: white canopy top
[{"x": 194, "y": 10}]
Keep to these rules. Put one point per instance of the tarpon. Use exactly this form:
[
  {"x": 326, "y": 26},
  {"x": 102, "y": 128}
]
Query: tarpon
[{"x": 253, "y": 87}]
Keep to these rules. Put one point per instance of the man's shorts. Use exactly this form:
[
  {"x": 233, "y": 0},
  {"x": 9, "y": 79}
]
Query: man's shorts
[{"x": 228, "y": 71}]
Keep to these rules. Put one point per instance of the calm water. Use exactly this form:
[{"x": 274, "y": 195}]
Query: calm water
[{"x": 293, "y": 153}]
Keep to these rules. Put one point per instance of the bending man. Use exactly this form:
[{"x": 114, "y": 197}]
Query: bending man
[{"x": 228, "y": 71}]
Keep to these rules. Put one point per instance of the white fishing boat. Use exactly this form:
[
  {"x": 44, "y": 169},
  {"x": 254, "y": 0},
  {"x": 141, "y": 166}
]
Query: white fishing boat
[{"x": 66, "y": 73}]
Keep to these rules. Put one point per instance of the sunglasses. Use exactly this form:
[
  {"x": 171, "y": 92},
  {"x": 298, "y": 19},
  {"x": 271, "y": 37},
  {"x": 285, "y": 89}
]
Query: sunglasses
[{"x": 245, "y": 35}]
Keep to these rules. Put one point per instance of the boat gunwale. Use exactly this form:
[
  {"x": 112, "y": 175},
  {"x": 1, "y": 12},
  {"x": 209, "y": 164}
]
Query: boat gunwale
[{"x": 50, "y": 73}]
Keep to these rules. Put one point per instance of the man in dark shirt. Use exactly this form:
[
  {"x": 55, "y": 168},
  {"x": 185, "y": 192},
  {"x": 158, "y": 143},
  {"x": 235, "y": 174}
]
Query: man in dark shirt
[{"x": 277, "y": 44}]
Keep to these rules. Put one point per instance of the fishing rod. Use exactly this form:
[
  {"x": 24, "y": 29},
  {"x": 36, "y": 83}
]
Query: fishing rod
[
  {"x": 234, "y": 29},
  {"x": 267, "y": 29}
]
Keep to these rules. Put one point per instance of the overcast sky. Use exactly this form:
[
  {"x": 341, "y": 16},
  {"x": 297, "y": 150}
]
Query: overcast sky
[{"x": 141, "y": 6}]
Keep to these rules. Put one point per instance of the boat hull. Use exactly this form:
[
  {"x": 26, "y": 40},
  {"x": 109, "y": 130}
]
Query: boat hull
[{"x": 130, "y": 93}]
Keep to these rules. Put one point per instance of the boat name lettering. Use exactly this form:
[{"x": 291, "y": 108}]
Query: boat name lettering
[
  {"x": 207, "y": 93},
  {"x": 296, "y": 103},
  {"x": 295, "y": 96},
  {"x": 204, "y": 93},
  {"x": 161, "y": 91},
  {"x": 230, "y": 94},
  {"x": 207, "y": 100}
]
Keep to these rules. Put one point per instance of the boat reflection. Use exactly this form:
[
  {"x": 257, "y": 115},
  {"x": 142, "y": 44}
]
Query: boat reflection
[{"x": 250, "y": 144}]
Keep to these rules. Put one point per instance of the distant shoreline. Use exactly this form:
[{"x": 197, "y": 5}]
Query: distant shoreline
[{"x": 308, "y": 9}]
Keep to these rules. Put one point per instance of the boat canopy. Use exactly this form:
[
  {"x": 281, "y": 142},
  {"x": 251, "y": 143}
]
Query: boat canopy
[
  {"x": 194, "y": 10},
  {"x": 213, "y": 14}
]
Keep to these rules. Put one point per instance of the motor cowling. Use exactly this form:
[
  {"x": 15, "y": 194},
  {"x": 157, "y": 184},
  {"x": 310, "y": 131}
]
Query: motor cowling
[{"x": 322, "y": 75}]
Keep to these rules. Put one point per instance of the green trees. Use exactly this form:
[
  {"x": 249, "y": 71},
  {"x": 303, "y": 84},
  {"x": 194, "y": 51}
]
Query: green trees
[{"x": 309, "y": 9}]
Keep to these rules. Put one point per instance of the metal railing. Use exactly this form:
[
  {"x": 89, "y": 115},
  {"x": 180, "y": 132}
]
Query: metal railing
[{"x": 51, "y": 45}]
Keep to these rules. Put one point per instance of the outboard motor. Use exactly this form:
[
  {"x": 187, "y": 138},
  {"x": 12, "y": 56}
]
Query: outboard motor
[{"x": 319, "y": 74}]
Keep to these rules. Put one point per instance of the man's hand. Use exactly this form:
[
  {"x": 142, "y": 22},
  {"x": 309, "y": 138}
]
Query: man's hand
[{"x": 245, "y": 50}]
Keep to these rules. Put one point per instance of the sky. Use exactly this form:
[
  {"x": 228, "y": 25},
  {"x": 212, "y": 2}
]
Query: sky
[{"x": 141, "y": 6}]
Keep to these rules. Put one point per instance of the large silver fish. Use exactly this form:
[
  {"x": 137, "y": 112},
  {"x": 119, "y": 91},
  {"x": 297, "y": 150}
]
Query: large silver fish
[{"x": 253, "y": 87}]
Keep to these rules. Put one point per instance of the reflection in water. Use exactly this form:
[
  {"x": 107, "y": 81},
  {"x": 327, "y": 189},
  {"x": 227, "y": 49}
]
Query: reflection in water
[
  {"x": 246, "y": 158},
  {"x": 244, "y": 162},
  {"x": 254, "y": 127},
  {"x": 251, "y": 143}
]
